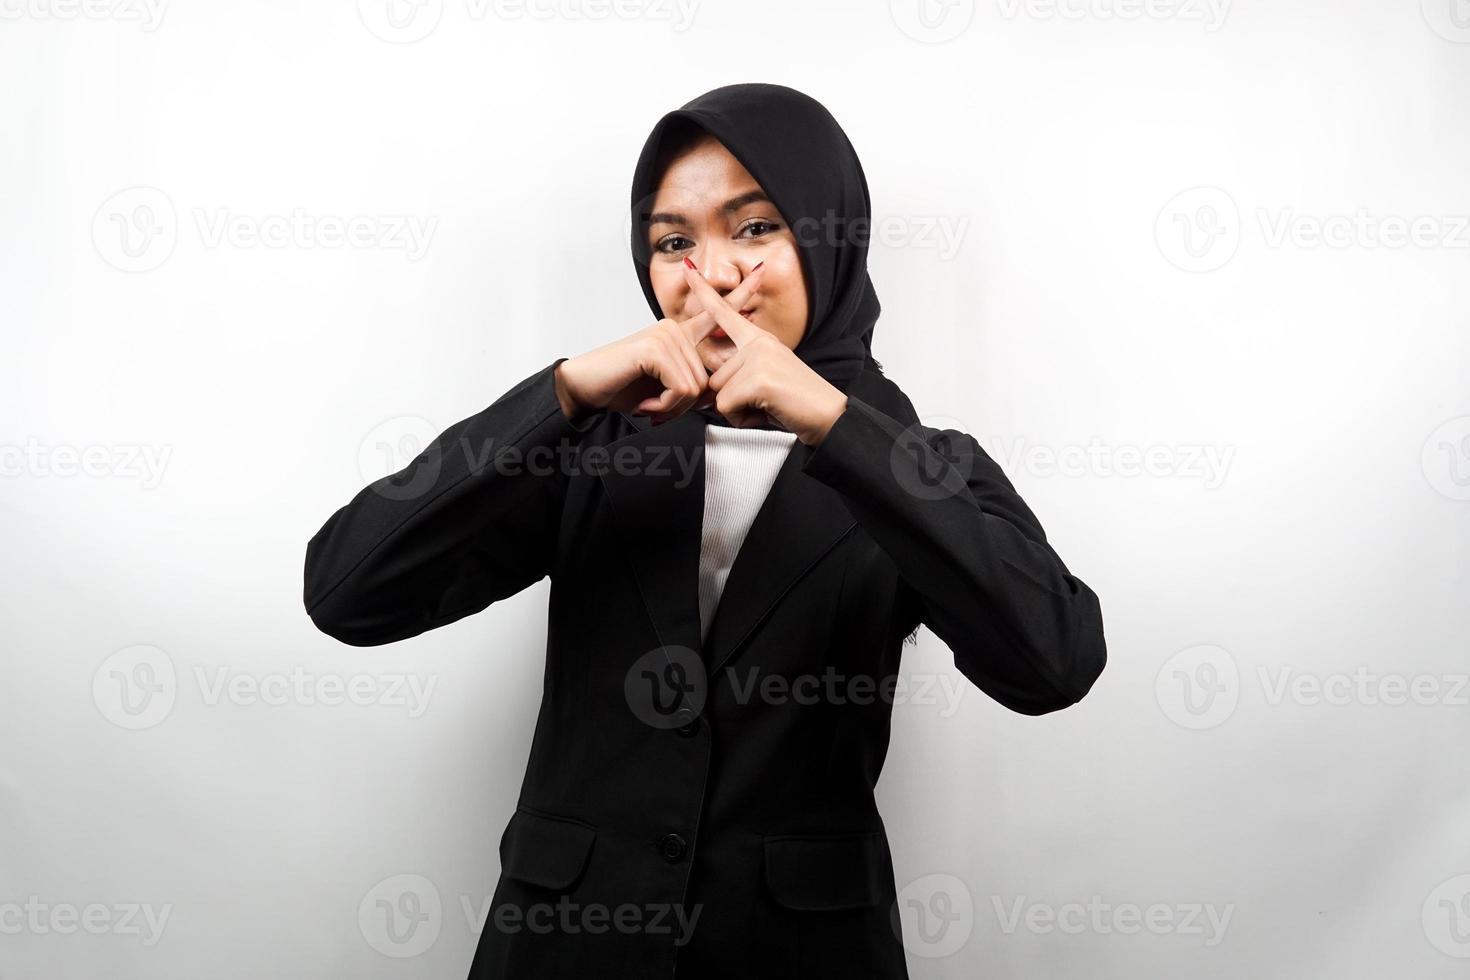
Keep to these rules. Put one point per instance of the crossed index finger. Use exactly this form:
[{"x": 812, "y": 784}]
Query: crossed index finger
[{"x": 721, "y": 312}]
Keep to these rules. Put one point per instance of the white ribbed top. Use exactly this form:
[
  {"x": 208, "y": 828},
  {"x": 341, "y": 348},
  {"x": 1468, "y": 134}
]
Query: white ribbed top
[{"x": 739, "y": 467}]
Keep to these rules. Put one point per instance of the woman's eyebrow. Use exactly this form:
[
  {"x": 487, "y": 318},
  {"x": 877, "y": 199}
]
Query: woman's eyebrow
[{"x": 732, "y": 205}]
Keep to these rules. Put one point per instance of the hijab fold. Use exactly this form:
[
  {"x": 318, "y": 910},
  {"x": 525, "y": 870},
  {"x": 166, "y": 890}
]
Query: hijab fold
[{"x": 804, "y": 162}]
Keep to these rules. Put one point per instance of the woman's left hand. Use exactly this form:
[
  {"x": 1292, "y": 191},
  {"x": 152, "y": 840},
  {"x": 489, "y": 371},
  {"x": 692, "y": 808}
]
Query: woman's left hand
[{"x": 764, "y": 380}]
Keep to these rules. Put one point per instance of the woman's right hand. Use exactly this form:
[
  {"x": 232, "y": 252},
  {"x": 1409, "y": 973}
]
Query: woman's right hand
[{"x": 655, "y": 372}]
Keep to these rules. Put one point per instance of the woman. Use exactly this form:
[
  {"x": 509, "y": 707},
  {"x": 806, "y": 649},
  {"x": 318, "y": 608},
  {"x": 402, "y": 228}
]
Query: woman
[{"x": 742, "y": 519}]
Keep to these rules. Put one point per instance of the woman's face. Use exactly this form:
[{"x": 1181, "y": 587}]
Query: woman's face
[{"x": 709, "y": 208}]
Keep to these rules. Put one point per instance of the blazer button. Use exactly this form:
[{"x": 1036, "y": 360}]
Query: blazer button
[
  {"x": 688, "y": 721},
  {"x": 672, "y": 847}
]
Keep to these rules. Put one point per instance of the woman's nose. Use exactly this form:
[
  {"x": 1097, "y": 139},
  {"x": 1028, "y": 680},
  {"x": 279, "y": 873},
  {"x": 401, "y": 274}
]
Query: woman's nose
[{"x": 719, "y": 271}]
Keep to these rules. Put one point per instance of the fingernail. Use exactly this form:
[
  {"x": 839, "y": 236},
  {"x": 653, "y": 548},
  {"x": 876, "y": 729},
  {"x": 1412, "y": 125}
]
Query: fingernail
[
  {"x": 758, "y": 265},
  {"x": 690, "y": 264}
]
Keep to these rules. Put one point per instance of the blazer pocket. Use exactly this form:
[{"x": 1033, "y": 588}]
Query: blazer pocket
[
  {"x": 545, "y": 850},
  {"x": 810, "y": 873}
]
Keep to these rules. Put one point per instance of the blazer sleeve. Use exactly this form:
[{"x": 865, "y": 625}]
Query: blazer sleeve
[
  {"x": 472, "y": 519},
  {"x": 974, "y": 561}
]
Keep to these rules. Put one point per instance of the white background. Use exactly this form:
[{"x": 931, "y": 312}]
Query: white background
[{"x": 1131, "y": 193}]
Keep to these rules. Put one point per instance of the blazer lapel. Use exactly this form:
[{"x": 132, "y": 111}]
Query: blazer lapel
[
  {"x": 659, "y": 503},
  {"x": 799, "y": 522}
]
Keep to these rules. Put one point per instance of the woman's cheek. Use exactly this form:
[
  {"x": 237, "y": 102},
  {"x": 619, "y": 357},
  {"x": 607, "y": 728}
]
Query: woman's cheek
[{"x": 791, "y": 307}]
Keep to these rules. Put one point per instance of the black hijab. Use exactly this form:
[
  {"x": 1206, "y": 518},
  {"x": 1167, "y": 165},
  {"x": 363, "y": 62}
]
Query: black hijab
[{"x": 804, "y": 162}]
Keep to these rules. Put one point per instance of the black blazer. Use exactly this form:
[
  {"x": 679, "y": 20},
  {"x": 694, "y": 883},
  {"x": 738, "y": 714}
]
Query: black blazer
[{"x": 672, "y": 782}]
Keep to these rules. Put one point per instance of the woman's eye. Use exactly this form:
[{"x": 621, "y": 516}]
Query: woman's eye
[
  {"x": 769, "y": 227},
  {"x": 668, "y": 244}
]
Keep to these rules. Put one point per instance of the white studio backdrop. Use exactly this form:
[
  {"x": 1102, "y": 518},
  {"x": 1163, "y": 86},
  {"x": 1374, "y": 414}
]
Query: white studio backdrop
[{"x": 1196, "y": 272}]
